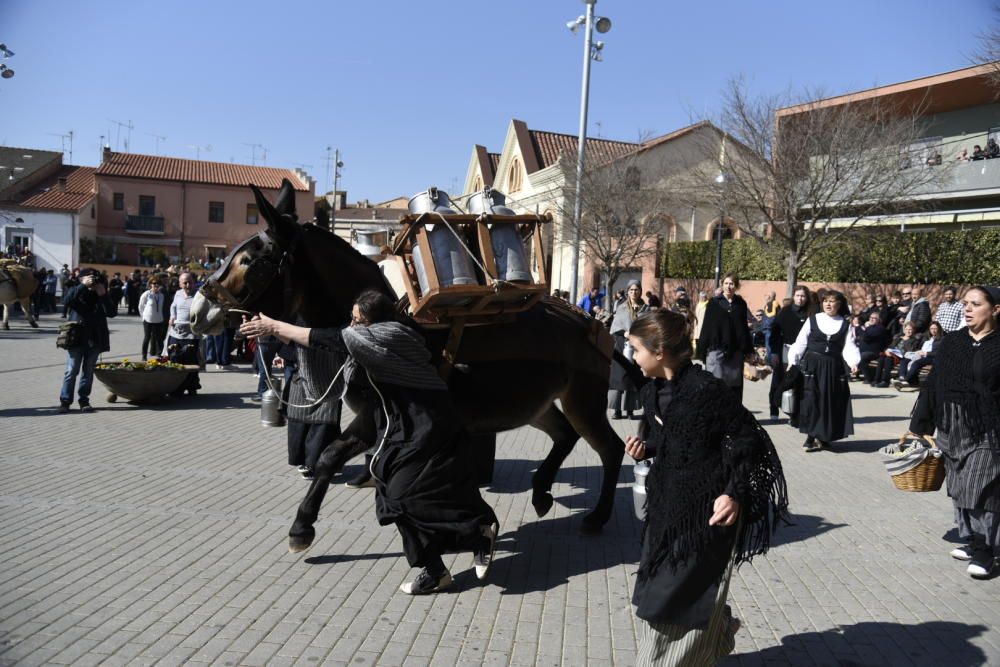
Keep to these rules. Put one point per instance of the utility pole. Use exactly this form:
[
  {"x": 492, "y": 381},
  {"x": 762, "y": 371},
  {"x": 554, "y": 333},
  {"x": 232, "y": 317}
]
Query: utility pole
[{"x": 337, "y": 164}]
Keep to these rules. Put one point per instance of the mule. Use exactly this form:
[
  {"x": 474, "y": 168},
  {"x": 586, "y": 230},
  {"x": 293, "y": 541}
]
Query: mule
[
  {"x": 506, "y": 375},
  {"x": 17, "y": 284}
]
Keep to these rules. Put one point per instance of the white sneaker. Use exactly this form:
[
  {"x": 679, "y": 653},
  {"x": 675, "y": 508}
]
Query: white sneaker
[
  {"x": 961, "y": 553},
  {"x": 483, "y": 559},
  {"x": 425, "y": 583},
  {"x": 980, "y": 570}
]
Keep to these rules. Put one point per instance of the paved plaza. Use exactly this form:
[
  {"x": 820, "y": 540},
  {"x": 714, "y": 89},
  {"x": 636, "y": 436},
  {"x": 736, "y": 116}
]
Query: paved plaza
[{"x": 157, "y": 535}]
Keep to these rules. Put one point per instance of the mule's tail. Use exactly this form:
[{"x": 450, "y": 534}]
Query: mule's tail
[{"x": 630, "y": 368}]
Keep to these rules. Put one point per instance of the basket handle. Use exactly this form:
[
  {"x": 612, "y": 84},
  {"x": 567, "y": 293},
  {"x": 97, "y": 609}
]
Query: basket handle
[{"x": 910, "y": 434}]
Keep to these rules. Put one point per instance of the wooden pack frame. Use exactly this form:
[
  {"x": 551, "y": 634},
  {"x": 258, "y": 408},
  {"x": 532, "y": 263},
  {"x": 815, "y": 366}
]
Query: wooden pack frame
[{"x": 471, "y": 303}]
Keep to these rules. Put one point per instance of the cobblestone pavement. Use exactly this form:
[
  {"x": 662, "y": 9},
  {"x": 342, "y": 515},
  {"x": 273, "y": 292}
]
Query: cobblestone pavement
[{"x": 142, "y": 535}]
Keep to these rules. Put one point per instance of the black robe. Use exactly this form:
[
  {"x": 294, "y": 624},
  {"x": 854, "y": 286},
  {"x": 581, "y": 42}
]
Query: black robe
[{"x": 705, "y": 444}]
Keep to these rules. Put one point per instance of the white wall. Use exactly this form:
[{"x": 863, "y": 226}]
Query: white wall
[{"x": 52, "y": 241}]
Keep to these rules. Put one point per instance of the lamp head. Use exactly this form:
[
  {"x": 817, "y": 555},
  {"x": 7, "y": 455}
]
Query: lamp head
[
  {"x": 5, "y": 52},
  {"x": 603, "y": 24},
  {"x": 574, "y": 25},
  {"x": 6, "y": 72}
]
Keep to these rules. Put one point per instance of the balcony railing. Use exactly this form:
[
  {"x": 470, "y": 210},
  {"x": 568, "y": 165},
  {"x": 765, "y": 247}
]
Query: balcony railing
[{"x": 148, "y": 224}]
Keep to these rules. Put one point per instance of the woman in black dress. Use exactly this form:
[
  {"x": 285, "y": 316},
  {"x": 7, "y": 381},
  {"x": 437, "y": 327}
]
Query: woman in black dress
[
  {"x": 724, "y": 342},
  {"x": 621, "y": 385},
  {"x": 783, "y": 333},
  {"x": 715, "y": 491},
  {"x": 823, "y": 350},
  {"x": 961, "y": 399}
]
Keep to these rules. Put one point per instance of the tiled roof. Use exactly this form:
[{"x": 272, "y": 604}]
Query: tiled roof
[
  {"x": 134, "y": 165},
  {"x": 79, "y": 190},
  {"x": 549, "y": 146}
]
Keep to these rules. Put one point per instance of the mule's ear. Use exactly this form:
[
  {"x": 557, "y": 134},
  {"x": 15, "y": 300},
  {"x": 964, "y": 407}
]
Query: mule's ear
[
  {"x": 264, "y": 207},
  {"x": 285, "y": 204}
]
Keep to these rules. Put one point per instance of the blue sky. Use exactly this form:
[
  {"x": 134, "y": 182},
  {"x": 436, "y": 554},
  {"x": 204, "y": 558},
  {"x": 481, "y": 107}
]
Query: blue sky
[{"x": 405, "y": 89}]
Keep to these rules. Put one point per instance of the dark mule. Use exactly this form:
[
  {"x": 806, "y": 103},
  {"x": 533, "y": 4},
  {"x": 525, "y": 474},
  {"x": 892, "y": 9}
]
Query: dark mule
[{"x": 507, "y": 374}]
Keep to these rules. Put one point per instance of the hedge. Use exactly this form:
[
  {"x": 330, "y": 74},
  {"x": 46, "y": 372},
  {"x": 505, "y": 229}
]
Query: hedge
[{"x": 864, "y": 256}]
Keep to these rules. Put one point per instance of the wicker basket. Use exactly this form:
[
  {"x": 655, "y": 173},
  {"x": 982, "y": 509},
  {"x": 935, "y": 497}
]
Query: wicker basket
[{"x": 927, "y": 476}]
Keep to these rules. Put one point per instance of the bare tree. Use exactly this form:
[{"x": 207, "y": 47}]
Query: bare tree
[
  {"x": 800, "y": 181},
  {"x": 989, "y": 49},
  {"x": 620, "y": 225}
]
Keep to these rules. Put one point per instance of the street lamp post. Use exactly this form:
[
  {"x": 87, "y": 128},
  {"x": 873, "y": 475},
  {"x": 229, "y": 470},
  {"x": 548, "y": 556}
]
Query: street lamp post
[
  {"x": 721, "y": 180},
  {"x": 591, "y": 51}
]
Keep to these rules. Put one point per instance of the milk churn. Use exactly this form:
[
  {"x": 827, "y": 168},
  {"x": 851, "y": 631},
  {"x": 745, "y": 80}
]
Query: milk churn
[
  {"x": 270, "y": 405},
  {"x": 641, "y": 470},
  {"x": 508, "y": 249},
  {"x": 454, "y": 267}
]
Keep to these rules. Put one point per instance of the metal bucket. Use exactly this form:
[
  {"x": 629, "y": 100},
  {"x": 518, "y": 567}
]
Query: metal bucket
[
  {"x": 508, "y": 249},
  {"x": 454, "y": 267},
  {"x": 640, "y": 470}
]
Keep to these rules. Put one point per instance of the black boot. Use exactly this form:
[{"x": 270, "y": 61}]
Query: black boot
[{"x": 364, "y": 478}]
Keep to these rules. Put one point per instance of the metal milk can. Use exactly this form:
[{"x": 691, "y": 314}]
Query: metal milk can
[
  {"x": 641, "y": 469},
  {"x": 270, "y": 405},
  {"x": 454, "y": 266},
  {"x": 508, "y": 249}
]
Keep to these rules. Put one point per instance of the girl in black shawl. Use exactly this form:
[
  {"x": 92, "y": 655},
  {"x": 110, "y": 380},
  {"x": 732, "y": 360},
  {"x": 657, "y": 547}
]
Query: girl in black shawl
[
  {"x": 714, "y": 491},
  {"x": 961, "y": 400}
]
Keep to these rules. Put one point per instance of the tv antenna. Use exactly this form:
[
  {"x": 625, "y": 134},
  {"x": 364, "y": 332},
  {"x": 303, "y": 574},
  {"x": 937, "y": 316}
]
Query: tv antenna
[
  {"x": 333, "y": 161},
  {"x": 253, "y": 153},
  {"x": 128, "y": 135},
  {"x": 65, "y": 137},
  {"x": 199, "y": 149},
  {"x": 158, "y": 138}
]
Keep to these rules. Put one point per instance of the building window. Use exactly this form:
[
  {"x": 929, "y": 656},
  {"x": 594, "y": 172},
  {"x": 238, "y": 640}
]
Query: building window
[
  {"x": 216, "y": 211},
  {"x": 147, "y": 205},
  {"x": 119, "y": 201},
  {"x": 93, "y": 211},
  {"x": 477, "y": 185},
  {"x": 514, "y": 176},
  {"x": 252, "y": 214},
  {"x": 215, "y": 253}
]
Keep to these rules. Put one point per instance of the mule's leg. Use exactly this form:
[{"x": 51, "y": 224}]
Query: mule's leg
[
  {"x": 6, "y": 316},
  {"x": 585, "y": 406},
  {"x": 330, "y": 462},
  {"x": 555, "y": 425},
  {"x": 26, "y": 305}
]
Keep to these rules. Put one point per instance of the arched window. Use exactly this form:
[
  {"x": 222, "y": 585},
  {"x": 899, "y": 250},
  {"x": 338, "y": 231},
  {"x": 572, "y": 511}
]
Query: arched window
[
  {"x": 477, "y": 185},
  {"x": 514, "y": 181},
  {"x": 728, "y": 230}
]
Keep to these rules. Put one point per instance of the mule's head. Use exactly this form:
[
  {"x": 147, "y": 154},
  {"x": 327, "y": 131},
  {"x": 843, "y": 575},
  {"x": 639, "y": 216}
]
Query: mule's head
[{"x": 253, "y": 277}]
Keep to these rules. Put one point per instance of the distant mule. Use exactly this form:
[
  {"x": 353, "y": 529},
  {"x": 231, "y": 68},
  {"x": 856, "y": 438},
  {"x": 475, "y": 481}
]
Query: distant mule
[{"x": 17, "y": 284}]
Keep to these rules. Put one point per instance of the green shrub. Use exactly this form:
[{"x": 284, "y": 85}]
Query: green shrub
[{"x": 864, "y": 256}]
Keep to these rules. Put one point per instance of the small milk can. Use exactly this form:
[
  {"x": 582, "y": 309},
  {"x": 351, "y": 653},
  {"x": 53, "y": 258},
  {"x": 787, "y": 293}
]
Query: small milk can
[
  {"x": 641, "y": 469},
  {"x": 270, "y": 405}
]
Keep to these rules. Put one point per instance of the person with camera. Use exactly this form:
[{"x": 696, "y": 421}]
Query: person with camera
[
  {"x": 87, "y": 336},
  {"x": 183, "y": 344}
]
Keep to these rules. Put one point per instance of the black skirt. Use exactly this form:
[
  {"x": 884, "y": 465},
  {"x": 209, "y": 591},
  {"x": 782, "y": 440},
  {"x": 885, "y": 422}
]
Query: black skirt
[
  {"x": 619, "y": 378},
  {"x": 825, "y": 406}
]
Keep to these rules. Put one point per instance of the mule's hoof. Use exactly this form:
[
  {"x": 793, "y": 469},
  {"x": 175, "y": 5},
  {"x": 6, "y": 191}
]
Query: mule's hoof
[
  {"x": 34, "y": 325},
  {"x": 301, "y": 541},
  {"x": 542, "y": 503},
  {"x": 6, "y": 327}
]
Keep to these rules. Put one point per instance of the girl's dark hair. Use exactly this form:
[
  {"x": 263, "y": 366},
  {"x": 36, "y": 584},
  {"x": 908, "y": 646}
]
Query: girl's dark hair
[
  {"x": 665, "y": 331},
  {"x": 992, "y": 296},
  {"x": 839, "y": 296},
  {"x": 375, "y": 306},
  {"x": 735, "y": 278}
]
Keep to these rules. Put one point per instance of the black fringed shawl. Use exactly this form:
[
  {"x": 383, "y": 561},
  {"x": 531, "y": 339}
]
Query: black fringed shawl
[
  {"x": 707, "y": 445},
  {"x": 965, "y": 373}
]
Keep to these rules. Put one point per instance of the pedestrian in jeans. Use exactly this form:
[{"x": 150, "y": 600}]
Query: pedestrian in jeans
[
  {"x": 153, "y": 327},
  {"x": 87, "y": 303}
]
